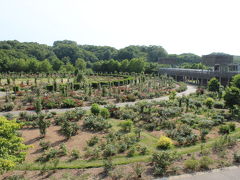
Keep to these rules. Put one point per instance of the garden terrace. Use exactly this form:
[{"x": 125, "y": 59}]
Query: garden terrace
[{"x": 81, "y": 139}]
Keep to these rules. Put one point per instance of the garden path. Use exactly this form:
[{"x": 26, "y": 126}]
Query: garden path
[{"x": 190, "y": 89}]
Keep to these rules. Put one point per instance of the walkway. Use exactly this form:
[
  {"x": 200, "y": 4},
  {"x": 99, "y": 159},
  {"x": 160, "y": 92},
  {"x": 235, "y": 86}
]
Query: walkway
[
  {"x": 229, "y": 173},
  {"x": 190, "y": 89}
]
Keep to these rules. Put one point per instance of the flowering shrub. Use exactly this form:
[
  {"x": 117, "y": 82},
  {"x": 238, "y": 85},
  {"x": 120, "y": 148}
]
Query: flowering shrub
[{"x": 165, "y": 143}]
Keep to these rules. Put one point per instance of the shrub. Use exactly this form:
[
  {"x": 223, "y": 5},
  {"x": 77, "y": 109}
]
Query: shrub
[
  {"x": 236, "y": 157},
  {"x": 43, "y": 124},
  {"x": 143, "y": 150},
  {"x": 209, "y": 102},
  {"x": 183, "y": 134},
  {"x": 109, "y": 150},
  {"x": 191, "y": 164},
  {"x": 126, "y": 126},
  {"x": 44, "y": 145},
  {"x": 69, "y": 129},
  {"x": 131, "y": 98},
  {"x": 8, "y": 107},
  {"x": 62, "y": 150},
  {"x": 48, "y": 155},
  {"x": 172, "y": 95},
  {"x": 161, "y": 161},
  {"x": 205, "y": 162},
  {"x": 131, "y": 151},
  {"x": 50, "y": 104},
  {"x": 218, "y": 105},
  {"x": 138, "y": 169},
  {"x": 49, "y": 87},
  {"x": 203, "y": 134},
  {"x": 16, "y": 89},
  {"x": 95, "y": 109},
  {"x": 68, "y": 103},
  {"x": 93, "y": 141},
  {"x": 164, "y": 143},
  {"x": 75, "y": 154},
  {"x": 117, "y": 173},
  {"x": 232, "y": 127},
  {"x": 38, "y": 106},
  {"x": 108, "y": 166},
  {"x": 113, "y": 110},
  {"x": 95, "y": 123},
  {"x": 224, "y": 129},
  {"x": 105, "y": 113},
  {"x": 76, "y": 86}
]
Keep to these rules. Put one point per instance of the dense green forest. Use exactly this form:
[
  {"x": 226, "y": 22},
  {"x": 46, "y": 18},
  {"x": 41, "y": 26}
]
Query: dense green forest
[{"x": 66, "y": 56}]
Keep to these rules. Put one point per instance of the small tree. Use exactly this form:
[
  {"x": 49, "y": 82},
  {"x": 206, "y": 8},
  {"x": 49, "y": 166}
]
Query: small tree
[
  {"x": 43, "y": 124},
  {"x": 161, "y": 161},
  {"x": 236, "y": 81},
  {"x": 172, "y": 95},
  {"x": 69, "y": 129},
  {"x": 213, "y": 85},
  {"x": 232, "y": 97},
  {"x": 12, "y": 147},
  {"x": 38, "y": 106}
]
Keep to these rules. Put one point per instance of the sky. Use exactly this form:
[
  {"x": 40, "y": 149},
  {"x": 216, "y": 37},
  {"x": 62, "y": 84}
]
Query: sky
[{"x": 180, "y": 26}]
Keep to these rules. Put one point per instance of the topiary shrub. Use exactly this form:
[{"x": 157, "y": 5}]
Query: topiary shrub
[
  {"x": 95, "y": 109},
  {"x": 164, "y": 143},
  {"x": 209, "y": 102}
]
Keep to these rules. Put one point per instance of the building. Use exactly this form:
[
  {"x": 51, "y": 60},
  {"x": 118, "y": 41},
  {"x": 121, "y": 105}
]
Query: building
[{"x": 223, "y": 67}]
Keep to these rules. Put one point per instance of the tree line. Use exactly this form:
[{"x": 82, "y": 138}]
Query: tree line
[{"x": 67, "y": 55}]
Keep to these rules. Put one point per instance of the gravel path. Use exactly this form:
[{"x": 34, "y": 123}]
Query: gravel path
[
  {"x": 190, "y": 89},
  {"x": 2, "y": 94}
]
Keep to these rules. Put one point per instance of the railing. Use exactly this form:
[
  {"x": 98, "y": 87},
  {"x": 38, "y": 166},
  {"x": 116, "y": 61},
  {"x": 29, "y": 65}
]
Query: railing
[{"x": 199, "y": 73}]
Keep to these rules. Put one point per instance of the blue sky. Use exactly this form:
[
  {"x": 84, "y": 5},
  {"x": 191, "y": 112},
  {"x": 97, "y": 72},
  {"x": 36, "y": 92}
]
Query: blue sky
[{"x": 197, "y": 26}]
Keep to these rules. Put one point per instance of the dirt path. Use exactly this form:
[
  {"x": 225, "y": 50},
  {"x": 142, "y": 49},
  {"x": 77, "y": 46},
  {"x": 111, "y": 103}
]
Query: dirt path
[{"x": 190, "y": 89}]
